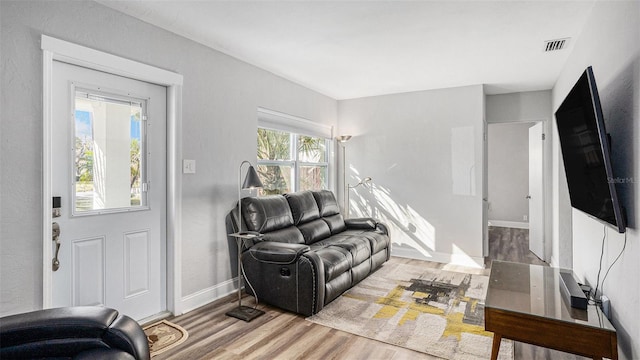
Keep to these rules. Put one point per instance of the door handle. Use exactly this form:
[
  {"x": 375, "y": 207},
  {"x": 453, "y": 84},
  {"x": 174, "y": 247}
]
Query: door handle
[
  {"x": 55, "y": 227},
  {"x": 528, "y": 197}
]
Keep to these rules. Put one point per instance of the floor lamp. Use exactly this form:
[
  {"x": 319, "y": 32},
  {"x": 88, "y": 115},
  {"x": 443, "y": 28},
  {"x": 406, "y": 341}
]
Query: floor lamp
[
  {"x": 251, "y": 181},
  {"x": 342, "y": 139},
  {"x": 364, "y": 182}
]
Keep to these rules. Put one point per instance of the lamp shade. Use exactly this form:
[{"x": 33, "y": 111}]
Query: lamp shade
[
  {"x": 252, "y": 180},
  {"x": 343, "y": 138}
]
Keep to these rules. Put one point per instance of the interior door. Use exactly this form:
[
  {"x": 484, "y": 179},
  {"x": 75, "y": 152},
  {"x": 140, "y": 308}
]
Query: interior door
[
  {"x": 536, "y": 204},
  {"x": 109, "y": 169}
]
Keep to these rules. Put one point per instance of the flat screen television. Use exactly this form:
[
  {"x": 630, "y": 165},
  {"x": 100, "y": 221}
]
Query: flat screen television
[{"x": 586, "y": 153}]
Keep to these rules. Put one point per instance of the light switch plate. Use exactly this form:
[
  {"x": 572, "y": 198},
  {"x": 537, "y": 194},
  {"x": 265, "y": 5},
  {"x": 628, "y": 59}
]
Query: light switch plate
[{"x": 188, "y": 166}]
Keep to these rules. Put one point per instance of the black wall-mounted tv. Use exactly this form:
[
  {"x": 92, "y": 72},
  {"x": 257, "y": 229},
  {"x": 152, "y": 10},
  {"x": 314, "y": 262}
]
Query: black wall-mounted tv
[{"x": 586, "y": 153}]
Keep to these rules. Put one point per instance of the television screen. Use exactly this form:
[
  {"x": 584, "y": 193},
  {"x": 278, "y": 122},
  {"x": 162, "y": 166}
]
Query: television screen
[{"x": 586, "y": 154}]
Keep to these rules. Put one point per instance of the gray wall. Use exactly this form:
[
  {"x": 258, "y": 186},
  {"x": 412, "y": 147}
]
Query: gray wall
[
  {"x": 610, "y": 42},
  {"x": 220, "y": 99},
  {"x": 424, "y": 153},
  {"x": 519, "y": 107},
  {"x": 508, "y": 146}
]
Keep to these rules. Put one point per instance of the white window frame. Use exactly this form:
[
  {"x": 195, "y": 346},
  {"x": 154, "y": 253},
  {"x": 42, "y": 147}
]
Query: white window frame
[{"x": 296, "y": 126}]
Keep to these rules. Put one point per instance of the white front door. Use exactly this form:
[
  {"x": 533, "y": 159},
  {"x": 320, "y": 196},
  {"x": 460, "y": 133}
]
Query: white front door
[
  {"x": 536, "y": 202},
  {"x": 109, "y": 169}
]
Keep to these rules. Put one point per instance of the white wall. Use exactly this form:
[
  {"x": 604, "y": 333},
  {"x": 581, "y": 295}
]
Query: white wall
[
  {"x": 610, "y": 42},
  {"x": 508, "y": 171},
  {"x": 220, "y": 100},
  {"x": 424, "y": 153}
]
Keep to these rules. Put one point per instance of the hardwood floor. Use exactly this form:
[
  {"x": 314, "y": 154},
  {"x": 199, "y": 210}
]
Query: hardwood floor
[
  {"x": 276, "y": 335},
  {"x": 282, "y": 335},
  {"x": 509, "y": 244}
]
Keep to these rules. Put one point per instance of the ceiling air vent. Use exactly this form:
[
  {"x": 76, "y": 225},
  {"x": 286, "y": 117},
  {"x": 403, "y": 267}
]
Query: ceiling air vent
[{"x": 557, "y": 44}]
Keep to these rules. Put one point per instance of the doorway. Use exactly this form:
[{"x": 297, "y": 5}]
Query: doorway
[
  {"x": 109, "y": 171},
  {"x": 59, "y": 50},
  {"x": 515, "y": 200}
]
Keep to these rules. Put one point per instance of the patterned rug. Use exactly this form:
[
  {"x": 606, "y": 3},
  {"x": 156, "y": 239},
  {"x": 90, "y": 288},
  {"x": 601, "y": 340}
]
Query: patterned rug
[
  {"x": 164, "y": 335},
  {"x": 433, "y": 311}
]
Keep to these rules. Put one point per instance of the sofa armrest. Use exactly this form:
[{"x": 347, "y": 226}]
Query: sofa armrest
[
  {"x": 276, "y": 252},
  {"x": 361, "y": 223},
  {"x": 126, "y": 334},
  {"x": 285, "y": 275},
  {"x": 68, "y": 332}
]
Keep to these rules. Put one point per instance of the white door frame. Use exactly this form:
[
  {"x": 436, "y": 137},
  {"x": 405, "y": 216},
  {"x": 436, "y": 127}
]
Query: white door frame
[
  {"x": 546, "y": 184},
  {"x": 59, "y": 50}
]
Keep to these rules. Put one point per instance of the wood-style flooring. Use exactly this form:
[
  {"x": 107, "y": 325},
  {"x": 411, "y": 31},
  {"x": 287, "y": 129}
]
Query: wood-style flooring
[{"x": 282, "y": 335}]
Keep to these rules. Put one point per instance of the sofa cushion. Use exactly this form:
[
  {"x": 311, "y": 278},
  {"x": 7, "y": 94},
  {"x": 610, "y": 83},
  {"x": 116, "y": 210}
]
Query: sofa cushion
[
  {"x": 327, "y": 203},
  {"x": 377, "y": 239},
  {"x": 357, "y": 246},
  {"x": 267, "y": 213},
  {"x": 303, "y": 207},
  {"x": 336, "y": 223},
  {"x": 314, "y": 231},
  {"x": 336, "y": 261},
  {"x": 289, "y": 235}
]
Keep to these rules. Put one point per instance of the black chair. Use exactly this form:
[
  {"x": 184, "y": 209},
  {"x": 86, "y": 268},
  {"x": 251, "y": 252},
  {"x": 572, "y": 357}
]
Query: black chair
[{"x": 79, "y": 333}]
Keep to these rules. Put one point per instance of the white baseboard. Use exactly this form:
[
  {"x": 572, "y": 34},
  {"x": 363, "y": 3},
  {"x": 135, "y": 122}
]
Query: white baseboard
[
  {"x": 208, "y": 295},
  {"x": 509, "y": 224},
  {"x": 464, "y": 260}
]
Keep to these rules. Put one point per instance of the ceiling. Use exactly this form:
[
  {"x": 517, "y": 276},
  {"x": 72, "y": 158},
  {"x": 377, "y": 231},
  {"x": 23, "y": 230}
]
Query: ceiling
[{"x": 351, "y": 49}]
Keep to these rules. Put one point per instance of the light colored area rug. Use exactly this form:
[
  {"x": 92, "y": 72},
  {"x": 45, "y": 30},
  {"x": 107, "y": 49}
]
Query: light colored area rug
[
  {"x": 433, "y": 311},
  {"x": 164, "y": 335}
]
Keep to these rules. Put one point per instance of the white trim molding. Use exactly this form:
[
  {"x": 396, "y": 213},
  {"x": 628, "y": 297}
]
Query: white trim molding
[
  {"x": 275, "y": 120},
  {"x": 209, "y": 295},
  {"x": 509, "y": 224},
  {"x": 455, "y": 259},
  {"x": 58, "y": 50}
]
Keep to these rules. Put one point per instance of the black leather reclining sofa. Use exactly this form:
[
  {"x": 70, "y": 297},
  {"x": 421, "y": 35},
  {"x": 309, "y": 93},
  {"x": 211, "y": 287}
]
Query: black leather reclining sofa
[{"x": 308, "y": 254}]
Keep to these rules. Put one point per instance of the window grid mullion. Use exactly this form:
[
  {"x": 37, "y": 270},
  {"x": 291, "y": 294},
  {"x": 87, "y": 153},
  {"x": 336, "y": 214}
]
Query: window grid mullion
[{"x": 295, "y": 163}]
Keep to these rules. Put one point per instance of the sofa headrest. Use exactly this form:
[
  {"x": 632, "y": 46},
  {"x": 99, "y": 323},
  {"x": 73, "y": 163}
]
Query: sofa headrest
[
  {"x": 267, "y": 213},
  {"x": 327, "y": 203},
  {"x": 303, "y": 206}
]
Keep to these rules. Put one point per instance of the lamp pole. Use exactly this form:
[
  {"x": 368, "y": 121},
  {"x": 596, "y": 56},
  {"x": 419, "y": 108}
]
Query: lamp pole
[{"x": 342, "y": 139}]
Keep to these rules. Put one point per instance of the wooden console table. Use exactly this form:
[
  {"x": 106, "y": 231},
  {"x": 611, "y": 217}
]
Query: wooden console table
[{"x": 524, "y": 303}]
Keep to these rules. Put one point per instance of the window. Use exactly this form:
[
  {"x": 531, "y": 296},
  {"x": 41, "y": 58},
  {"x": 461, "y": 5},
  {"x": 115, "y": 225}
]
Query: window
[
  {"x": 290, "y": 162},
  {"x": 109, "y": 157}
]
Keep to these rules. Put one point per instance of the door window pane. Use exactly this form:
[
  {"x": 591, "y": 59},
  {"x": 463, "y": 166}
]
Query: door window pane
[{"x": 109, "y": 156}]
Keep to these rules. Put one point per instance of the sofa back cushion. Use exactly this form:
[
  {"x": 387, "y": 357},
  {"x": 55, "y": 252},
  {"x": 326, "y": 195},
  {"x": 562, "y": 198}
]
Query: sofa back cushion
[
  {"x": 289, "y": 235},
  {"x": 267, "y": 213},
  {"x": 314, "y": 230},
  {"x": 303, "y": 207},
  {"x": 336, "y": 223},
  {"x": 327, "y": 203},
  {"x": 330, "y": 211}
]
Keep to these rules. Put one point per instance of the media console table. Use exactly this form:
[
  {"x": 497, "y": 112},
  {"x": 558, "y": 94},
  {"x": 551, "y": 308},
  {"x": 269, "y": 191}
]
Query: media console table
[{"x": 524, "y": 303}]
